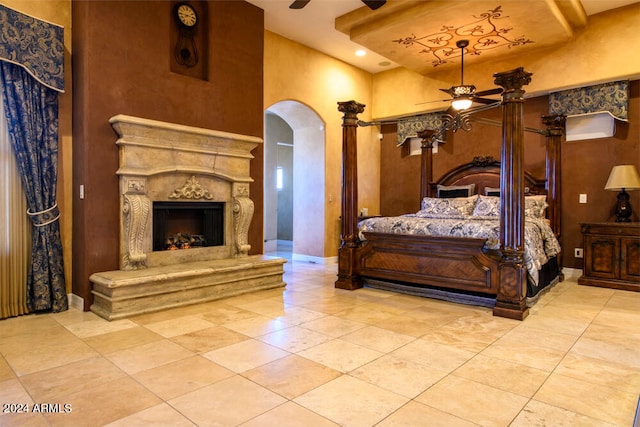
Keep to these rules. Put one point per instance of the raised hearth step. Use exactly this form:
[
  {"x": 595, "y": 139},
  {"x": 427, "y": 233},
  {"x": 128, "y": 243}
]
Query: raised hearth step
[{"x": 123, "y": 293}]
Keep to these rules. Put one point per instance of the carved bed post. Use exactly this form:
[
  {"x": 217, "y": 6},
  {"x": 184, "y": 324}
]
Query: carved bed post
[
  {"x": 426, "y": 162},
  {"x": 555, "y": 130},
  {"x": 348, "y": 271},
  {"x": 512, "y": 292}
]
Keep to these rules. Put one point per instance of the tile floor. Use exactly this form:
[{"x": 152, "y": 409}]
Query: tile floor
[{"x": 312, "y": 355}]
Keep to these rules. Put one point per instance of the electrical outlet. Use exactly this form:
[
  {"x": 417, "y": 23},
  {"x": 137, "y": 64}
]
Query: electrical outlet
[
  {"x": 583, "y": 198},
  {"x": 578, "y": 253}
]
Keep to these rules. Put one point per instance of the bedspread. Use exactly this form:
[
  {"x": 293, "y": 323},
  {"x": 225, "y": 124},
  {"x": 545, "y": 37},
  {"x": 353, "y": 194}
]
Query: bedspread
[{"x": 540, "y": 241}]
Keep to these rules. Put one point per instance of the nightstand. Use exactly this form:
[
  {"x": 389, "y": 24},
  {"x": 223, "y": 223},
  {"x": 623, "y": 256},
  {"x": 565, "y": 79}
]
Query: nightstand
[{"x": 611, "y": 255}]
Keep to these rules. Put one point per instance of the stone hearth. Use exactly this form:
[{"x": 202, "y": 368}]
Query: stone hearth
[{"x": 163, "y": 162}]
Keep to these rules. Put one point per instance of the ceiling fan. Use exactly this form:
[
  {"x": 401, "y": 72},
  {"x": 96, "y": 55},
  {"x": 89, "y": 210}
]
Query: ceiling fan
[
  {"x": 372, "y": 4},
  {"x": 465, "y": 95}
]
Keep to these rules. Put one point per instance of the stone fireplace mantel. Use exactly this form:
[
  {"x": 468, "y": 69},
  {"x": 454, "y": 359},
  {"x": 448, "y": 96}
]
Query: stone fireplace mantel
[{"x": 166, "y": 162}]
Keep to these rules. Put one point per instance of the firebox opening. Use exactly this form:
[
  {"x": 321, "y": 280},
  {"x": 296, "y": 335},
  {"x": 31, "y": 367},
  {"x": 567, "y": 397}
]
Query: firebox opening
[{"x": 184, "y": 225}]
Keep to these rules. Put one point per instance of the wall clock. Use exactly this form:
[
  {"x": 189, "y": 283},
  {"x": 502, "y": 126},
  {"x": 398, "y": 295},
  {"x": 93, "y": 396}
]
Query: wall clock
[
  {"x": 185, "y": 52},
  {"x": 186, "y": 15}
]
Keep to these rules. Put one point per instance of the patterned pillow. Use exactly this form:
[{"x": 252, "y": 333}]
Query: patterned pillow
[
  {"x": 432, "y": 207},
  {"x": 448, "y": 191},
  {"x": 534, "y": 206},
  {"x": 487, "y": 206}
]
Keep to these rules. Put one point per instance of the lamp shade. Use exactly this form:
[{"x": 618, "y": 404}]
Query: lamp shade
[{"x": 623, "y": 176}]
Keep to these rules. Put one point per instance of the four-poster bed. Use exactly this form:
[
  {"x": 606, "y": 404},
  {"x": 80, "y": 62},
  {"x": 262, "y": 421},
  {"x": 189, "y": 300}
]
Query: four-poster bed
[{"x": 466, "y": 267}]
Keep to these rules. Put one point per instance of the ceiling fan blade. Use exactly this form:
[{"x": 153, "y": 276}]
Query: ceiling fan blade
[
  {"x": 431, "y": 102},
  {"x": 448, "y": 91},
  {"x": 374, "y": 4},
  {"x": 493, "y": 91},
  {"x": 298, "y": 4},
  {"x": 485, "y": 100}
]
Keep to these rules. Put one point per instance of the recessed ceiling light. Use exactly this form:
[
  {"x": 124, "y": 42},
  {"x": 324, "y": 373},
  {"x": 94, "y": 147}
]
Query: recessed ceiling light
[{"x": 361, "y": 52}]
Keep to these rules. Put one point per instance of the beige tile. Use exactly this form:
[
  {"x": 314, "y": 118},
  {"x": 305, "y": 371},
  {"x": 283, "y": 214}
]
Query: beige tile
[
  {"x": 98, "y": 326},
  {"x": 226, "y": 403},
  {"x": 221, "y": 313},
  {"x": 473, "y": 401},
  {"x": 504, "y": 375},
  {"x": 289, "y": 415},
  {"x": 291, "y": 376},
  {"x": 55, "y": 353},
  {"x": 114, "y": 341},
  {"x": 378, "y": 339},
  {"x": 438, "y": 356},
  {"x": 73, "y": 315},
  {"x": 417, "y": 414},
  {"x": 586, "y": 398},
  {"x": 624, "y": 354},
  {"x": 333, "y": 326},
  {"x": 183, "y": 376},
  {"x": 209, "y": 339},
  {"x": 265, "y": 307},
  {"x": 348, "y": 401},
  {"x": 159, "y": 415},
  {"x": 540, "y": 414},
  {"x": 540, "y": 337},
  {"x": 23, "y": 326},
  {"x": 298, "y": 315},
  {"x": 104, "y": 403},
  {"x": 524, "y": 353},
  {"x": 25, "y": 342},
  {"x": 398, "y": 375},
  {"x": 408, "y": 325},
  {"x": 340, "y": 355},
  {"x": 140, "y": 358},
  {"x": 256, "y": 326},
  {"x": 597, "y": 371},
  {"x": 333, "y": 304},
  {"x": 6, "y": 372},
  {"x": 70, "y": 378},
  {"x": 179, "y": 326},
  {"x": 294, "y": 339},
  {"x": 245, "y": 355}
]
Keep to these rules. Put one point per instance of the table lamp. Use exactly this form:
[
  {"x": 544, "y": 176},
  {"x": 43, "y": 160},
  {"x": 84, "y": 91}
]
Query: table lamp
[{"x": 623, "y": 177}]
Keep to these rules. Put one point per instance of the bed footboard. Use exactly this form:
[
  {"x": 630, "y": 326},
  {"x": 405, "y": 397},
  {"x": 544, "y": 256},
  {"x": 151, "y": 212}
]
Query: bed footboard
[{"x": 444, "y": 262}]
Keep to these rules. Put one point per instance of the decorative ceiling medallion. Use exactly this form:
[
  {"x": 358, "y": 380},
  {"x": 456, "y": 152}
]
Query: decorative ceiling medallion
[{"x": 483, "y": 33}]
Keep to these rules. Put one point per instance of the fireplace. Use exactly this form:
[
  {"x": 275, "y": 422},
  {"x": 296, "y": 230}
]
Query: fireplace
[
  {"x": 187, "y": 225},
  {"x": 189, "y": 186}
]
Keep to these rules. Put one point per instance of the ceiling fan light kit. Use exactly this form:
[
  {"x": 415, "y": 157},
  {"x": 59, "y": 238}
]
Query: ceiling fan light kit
[{"x": 461, "y": 103}]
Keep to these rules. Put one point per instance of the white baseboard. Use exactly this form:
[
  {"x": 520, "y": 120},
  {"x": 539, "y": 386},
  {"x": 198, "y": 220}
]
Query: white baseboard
[
  {"x": 315, "y": 259},
  {"x": 76, "y": 301}
]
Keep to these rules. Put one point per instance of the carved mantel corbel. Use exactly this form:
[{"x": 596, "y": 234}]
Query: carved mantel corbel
[
  {"x": 242, "y": 214},
  {"x": 136, "y": 209}
]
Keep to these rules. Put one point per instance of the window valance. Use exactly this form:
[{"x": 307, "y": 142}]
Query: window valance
[
  {"x": 409, "y": 127},
  {"x": 33, "y": 44},
  {"x": 612, "y": 97}
]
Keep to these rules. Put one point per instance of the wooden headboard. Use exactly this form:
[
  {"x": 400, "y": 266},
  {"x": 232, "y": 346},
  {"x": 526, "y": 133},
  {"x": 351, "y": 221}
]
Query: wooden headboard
[{"x": 484, "y": 171}]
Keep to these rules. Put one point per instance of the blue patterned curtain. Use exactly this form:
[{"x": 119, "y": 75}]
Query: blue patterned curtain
[
  {"x": 612, "y": 97},
  {"x": 31, "y": 73},
  {"x": 409, "y": 128}
]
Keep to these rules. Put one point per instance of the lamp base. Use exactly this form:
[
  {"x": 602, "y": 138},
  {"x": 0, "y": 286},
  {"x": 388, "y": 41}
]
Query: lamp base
[{"x": 623, "y": 207}]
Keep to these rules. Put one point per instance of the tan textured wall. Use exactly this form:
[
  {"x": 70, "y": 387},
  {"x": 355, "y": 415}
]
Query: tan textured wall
[
  {"x": 59, "y": 12},
  {"x": 295, "y": 72}
]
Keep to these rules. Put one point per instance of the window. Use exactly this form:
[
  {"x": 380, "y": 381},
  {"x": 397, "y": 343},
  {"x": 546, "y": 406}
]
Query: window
[{"x": 279, "y": 178}]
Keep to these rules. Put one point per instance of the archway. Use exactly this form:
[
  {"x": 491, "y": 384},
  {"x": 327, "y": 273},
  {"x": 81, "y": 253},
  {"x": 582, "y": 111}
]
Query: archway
[{"x": 308, "y": 181}]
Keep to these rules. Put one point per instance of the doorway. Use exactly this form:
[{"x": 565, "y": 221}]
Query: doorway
[{"x": 294, "y": 182}]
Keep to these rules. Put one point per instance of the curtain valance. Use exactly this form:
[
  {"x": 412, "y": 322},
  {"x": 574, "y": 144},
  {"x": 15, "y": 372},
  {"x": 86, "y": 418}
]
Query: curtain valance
[
  {"x": 612, "y": 97},
  {"x": 409, "y": 127},
  {"x": 33, "y": 44}
]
